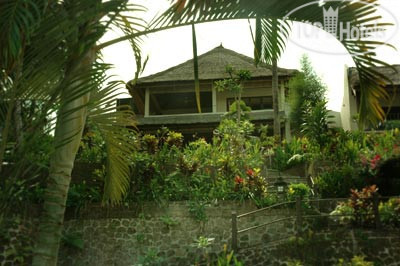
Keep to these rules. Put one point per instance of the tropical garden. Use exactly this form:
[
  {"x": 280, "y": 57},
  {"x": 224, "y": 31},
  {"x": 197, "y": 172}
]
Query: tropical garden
[{"x": 57, "y": 111}]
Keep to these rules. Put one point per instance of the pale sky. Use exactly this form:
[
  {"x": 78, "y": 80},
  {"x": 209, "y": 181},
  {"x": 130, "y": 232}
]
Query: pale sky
[{"x": 172, "y": 47}]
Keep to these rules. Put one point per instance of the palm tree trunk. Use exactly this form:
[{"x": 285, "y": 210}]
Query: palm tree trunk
[
  {"x": 6, "y": 130},
  {"x": 275, "y": 99},
  {"x": 70, "y": 123},
  {"x": 18, "y": 122}
]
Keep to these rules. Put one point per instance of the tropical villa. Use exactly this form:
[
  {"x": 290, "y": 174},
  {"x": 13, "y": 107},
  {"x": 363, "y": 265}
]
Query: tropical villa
[
  {"x": 351, "y": 99},
  {"x": 168, "y": 99}
]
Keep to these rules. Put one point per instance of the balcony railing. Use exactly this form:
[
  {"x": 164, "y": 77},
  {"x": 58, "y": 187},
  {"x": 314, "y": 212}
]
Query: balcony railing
[{"x": 201, "y": 118}]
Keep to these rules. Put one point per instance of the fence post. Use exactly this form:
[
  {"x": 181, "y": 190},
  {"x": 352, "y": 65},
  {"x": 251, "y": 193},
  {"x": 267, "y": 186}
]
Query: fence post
[
  {"x": 299, "y": 216},
  {"x": 376, "y": 211},
  {"x": 234, "y": 231}
]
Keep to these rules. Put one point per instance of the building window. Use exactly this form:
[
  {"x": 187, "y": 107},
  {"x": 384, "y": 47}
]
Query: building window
[
  {"x": 179, "y": 103},
  {"x": 394, "y": 113},
  {"x": 255, "y": 103},
  {"x": 128, "y": 102}
]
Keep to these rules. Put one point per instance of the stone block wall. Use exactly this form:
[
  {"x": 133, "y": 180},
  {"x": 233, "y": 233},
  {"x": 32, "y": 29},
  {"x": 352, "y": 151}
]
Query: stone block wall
[{"x": 168, "y": 234}]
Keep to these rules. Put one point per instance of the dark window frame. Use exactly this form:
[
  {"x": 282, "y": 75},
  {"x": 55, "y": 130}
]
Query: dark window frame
[{"x": 263, "y": 102}]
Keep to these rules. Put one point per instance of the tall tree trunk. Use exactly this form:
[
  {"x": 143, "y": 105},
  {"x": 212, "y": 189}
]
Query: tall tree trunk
[
  {"x": 18, "y": 122},
  {"x": 275, "y": 99},
  {"x": 70, "y": 123},
  {"x": 6, "y": 131},
  {"x": 239, "y": 108},
  {"x": 196, "y": 69}
]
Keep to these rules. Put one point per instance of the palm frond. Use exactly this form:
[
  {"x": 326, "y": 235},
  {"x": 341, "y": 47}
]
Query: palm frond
[
  {"x": 56, "y": 47},
  {"x": 17, "y": 20},
  {"x": 271, "y": 38},
  {"x": 130, "y": 25},
  {"x": 117, "y": 128},
  {"x": 361, "y": 14}
]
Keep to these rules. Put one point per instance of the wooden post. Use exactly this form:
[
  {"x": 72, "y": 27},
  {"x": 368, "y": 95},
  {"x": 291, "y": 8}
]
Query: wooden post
[
  {"x": 376, "y": 211},
  {"x": 299, "y": 216},
  {"x": 147, "y": 103},
  {"x": 234, "y": 232},
  {"x": 214, "y": 98}
]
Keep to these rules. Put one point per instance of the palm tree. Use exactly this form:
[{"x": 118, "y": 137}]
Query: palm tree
[
  {"x": 48, "y": 53},
  {"x": 270, "y": 41}
]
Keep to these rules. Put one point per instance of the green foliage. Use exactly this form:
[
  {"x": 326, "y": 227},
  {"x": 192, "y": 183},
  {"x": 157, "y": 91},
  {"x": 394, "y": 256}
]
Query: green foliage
[
  {"x": 267, "y": 200},
  {"x": 291, "y": 153},
  {"x": 229, "y": 167},
  {"x": 343, "y": 213},
  {"x": 174, "y": 139},
  {"x": 390, "y": 212},
  {"x": 73, "y": 240},
  {"x": 151, "y": 258},
  {"x": 362, "y": 204},
  {"x": 355, "y": 261},
  {"x": 391, "y": 124},
  {"x": 359, "y": 208},
  {"x": 298, "y": 191},
  {"x": 203, "y": 242},
  {"x": 197, "y": 210},
  {"x": 338, "y": 181},
  {"x": 234, "y": 84},
  {"x": 315, "y": 122},
  {"x": 271, "y": 35},
  {"x": 168, "y": 221},
  {"x": 17, "y": 195},
  {"x": 199, "y": 171},
  {"x": 16, "y": 241},
  {"x": 295, "y": 263},
  {"x": 352, "y": 160},
  {"x": 228, "y": 258},
  {"x": 306, "y": 90},
  {"x": 79, "y": 195},
  {"x": 244, "y": 109},
  {"x": 92, "y": 148}
]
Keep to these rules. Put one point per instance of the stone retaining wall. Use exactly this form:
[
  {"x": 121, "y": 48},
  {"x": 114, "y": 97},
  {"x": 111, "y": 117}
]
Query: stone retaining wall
[{"x": 168, "y": 234}]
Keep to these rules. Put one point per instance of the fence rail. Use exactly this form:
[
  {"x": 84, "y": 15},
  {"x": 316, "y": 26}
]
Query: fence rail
[{"x": 299, "y": 216}]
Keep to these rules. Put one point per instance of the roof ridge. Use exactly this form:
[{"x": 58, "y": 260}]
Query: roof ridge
[{"x": 220, "y": 53}]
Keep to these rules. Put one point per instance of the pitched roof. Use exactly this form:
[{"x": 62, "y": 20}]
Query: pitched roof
[
  {"x": 212, "y": 66},
  {"x": 394, "y": 76}
]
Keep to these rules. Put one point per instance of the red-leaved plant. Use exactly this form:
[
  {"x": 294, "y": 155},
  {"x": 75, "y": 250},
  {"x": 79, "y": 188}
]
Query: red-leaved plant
[{"x": 363, "y": 205}]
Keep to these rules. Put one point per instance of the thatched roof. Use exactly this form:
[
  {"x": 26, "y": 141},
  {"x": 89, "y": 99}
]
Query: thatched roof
[
  {"x": 212, "y": 66},
  {"x": 354, "y": 79}
]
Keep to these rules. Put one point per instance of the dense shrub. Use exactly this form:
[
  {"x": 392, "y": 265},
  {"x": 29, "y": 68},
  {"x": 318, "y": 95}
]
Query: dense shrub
[
  {"x": 228, "y": 167},
  {"x": 298, "y": 191},
  {"x": 359, "y": 209},
  {"x": 338, "y": 181},
  {"x": 354, "y": 159},
  {"x": 390, "y": 212}
]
